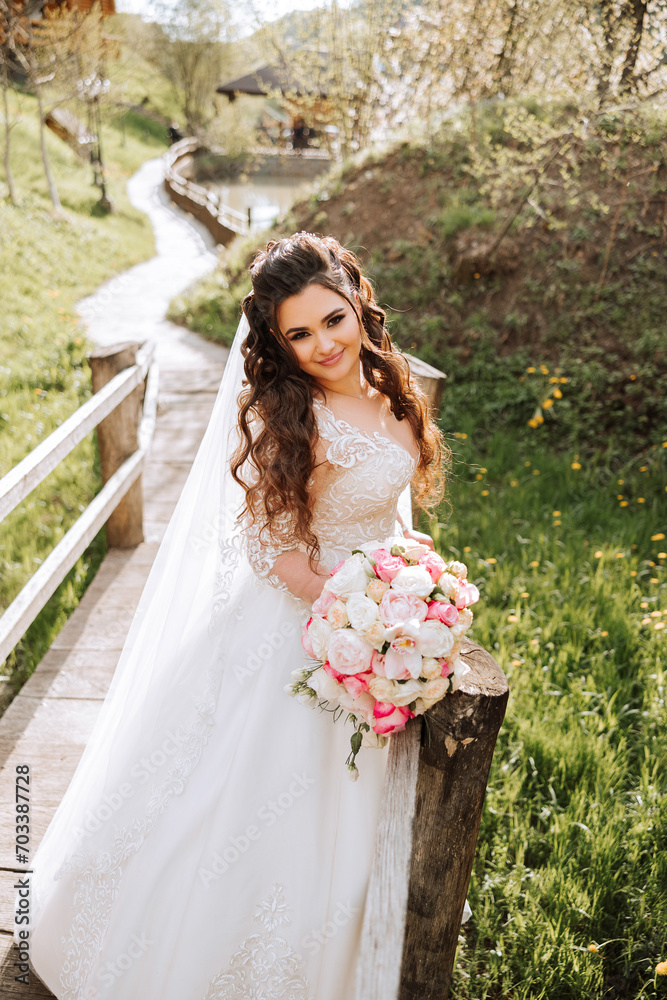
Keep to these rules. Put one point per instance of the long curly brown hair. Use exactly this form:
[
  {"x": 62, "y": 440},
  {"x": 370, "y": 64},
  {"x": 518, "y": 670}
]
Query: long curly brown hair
[{"x": 276, "y": 456}]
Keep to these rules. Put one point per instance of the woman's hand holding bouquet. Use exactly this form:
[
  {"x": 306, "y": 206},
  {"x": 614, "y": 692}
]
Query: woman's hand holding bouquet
[{"x": 386, "y": 633}]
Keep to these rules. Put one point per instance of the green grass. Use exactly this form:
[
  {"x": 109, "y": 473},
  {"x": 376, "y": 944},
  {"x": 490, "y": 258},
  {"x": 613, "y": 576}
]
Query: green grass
[
  {"x": 572, "y": 852},
  {"x": 47, "y": 263}
]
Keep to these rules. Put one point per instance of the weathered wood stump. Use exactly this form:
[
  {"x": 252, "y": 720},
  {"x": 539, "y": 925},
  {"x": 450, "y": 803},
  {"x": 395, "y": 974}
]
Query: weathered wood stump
[
  {"x": 435, "y": 785},
  {"x": 117, "y": 440}
]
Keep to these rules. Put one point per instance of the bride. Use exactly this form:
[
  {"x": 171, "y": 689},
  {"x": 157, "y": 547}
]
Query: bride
[{"x": 210, "y": 845}]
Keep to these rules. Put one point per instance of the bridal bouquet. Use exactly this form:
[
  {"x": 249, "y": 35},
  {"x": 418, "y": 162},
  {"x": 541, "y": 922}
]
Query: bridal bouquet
[{"x": 386, "y": 635}]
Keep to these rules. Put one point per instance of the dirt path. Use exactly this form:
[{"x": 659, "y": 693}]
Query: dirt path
[{"x": 132, "y": 305}]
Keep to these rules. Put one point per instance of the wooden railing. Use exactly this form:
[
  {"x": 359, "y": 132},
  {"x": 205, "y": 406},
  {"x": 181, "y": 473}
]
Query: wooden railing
[
  {"x": 223, "y": 222},
  {"x": 123, "y": 408}
]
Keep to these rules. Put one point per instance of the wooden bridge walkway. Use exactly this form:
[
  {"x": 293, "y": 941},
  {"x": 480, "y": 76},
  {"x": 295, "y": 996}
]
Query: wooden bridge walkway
[{"x": 48, "y": 724}]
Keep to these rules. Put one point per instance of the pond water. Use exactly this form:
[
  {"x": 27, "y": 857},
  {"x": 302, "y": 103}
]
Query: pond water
[{"x": 266, "y": 196}]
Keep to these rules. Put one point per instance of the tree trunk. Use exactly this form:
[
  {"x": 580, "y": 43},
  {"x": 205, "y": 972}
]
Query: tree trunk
[
  {"x": 8, "y": 128},
  {"x": 34, "y": 73},
  {"x": 637, "y": 15}
]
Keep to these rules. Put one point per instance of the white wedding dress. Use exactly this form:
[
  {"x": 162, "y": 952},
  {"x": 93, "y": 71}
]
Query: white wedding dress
[{"x": 211, "y": 845}]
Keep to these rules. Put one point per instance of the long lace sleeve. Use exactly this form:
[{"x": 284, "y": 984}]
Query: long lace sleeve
[{"x": 267, "y": 549}]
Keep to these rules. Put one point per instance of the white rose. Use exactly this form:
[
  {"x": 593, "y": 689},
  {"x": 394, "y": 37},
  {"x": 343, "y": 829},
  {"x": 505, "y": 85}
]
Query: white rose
[
  {"x": 447, "y": 584},
  {"x": 413, "y": 580},
  {"x": 459, "y": 569},
  {"x": 349, "y": 652},
  {"x": 431, "y": 668},
  {"x": 376, "y": 589},
  {"x": 375, "y": 635},
  {"x": 319, "y": 633},
  {"x": 349, "y": 578},
  {"x": 361, "y": 611},
  {"x": 373, "y": 740},
  {"x": 434, "y": 639},
  {"x": 436, "y": 689},
  {"x": 337, "y": 614},
  {"x": 361, "y": 707},
  {"x": 325, "y": 686},
  {"x": 414, "y": 550},
  {"x": 463, "y": 624},
  {"x": 382, "y": 689},
  {"x": 407, "y": 692}
]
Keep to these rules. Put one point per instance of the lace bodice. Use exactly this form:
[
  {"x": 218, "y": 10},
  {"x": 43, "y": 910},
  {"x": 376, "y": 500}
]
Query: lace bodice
[{"x": 358, "y": 502}]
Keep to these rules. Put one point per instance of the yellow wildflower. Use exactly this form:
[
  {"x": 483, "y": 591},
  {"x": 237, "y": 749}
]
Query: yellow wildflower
[
  {"x": 524, "y": 593},
  {"x": 526, "y": 464},
  {"x": 662, "y": 555},
  {"x": 478, "y": 476},
  {"x": 534, "y": 564},
  {"x": 620, "y": 555},
  {"x": 658, "y": 626},
  {"x": 656, "y": 614},
  {"x": 557, "y": 524},
  {"x": 641, "y": 500},
  {"x": 466, "y": 548},
  {"x": 659, "y": 537},
  {"x": 516, "y": 663},
  {"x": 644, "y": 604},
  {"x": 619, "y": 496},
  {"x": 661, "y": 969},
  {"x": 547, "y": 404},
  {"x": 485, "y": 493},
  {"x": 575, "y": 465},
  {"x": 558, "y": 394},
  {"x": 514, "y": 618},
  {"x": 515, "y": 482},
  {"x": 598, "y": 554},
  {"x": 536, "y": 472},
  {"x": 544, "y": 369},
  {"x": 623, "y": 503},
  {"x": 531, "y": 371},
  {"x": 491, "y": 560},
  {"x": 620, "y": 482},
  {"x": 593, "y": 947},
  {"x": 556, "y": 513}
]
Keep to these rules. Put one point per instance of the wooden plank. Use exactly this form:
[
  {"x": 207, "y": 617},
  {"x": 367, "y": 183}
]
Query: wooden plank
[{"x": 30, "y": 472}]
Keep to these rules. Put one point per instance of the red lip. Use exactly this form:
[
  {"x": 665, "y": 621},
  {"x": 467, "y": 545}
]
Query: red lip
[{"x": 333, "y": 359}]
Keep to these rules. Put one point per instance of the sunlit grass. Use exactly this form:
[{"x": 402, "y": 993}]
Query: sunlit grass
[{"x": 569, "y": 887}]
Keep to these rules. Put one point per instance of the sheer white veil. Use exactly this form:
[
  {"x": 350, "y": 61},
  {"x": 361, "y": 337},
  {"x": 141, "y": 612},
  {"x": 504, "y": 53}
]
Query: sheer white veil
[{"x": 161, "y": 701}]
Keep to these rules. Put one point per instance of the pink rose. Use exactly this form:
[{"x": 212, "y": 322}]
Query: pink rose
[
  {"x": 328, "y": 669},
  {"x": 305, "y": 640},
  {"x": 386, "y": 565},
  {"x": 466, "y": 593},
  {"x": 446, "y": 669},
  {"x": 434, "y": 564},
  {"x": 442, "y": 611},
  {"x": 390, "y": 719},
  {"x": 349, "y": 653},
  {"x": 356, "y": 684},
  {"x": 323, "y": 603},
  {"x": 397, "y": 606},
  {"x": 337, "y": 567},
  {"x": 377, "y": 664}
]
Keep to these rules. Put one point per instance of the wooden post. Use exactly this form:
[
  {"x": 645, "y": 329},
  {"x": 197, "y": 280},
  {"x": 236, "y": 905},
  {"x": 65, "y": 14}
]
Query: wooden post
[
  {"x": 117, "y": 440},
  {"x": 432, "y": 808}
]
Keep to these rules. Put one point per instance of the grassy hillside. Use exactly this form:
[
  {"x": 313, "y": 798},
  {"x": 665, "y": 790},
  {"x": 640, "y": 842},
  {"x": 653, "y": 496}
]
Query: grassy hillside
[
  {"x": 555, "y": 409},
  {"x": 47, "y": 263}
]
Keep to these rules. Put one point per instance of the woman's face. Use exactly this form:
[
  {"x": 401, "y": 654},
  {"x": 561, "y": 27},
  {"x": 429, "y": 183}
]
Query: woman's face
[{"x": 325, "y": 334}]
